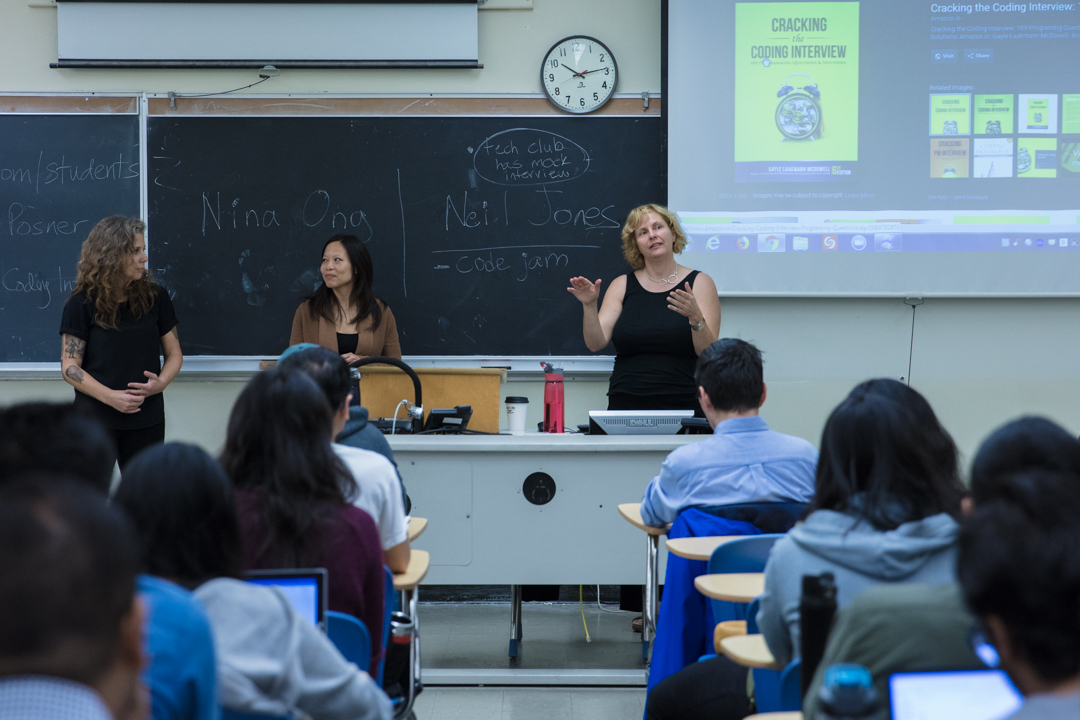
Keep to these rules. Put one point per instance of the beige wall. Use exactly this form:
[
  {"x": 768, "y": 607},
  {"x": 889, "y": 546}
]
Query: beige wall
[{"x": 512, "y": 44}]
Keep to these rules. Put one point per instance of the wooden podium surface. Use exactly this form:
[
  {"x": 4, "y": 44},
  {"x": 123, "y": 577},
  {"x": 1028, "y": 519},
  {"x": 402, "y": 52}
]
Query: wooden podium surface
[{"x": 382, "y": 387}]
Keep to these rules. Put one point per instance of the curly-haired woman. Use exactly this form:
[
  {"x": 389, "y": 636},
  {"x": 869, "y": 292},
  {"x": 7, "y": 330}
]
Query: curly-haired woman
[{"x": 115, "y": 327}]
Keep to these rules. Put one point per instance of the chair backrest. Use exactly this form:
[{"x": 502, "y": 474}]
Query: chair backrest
[
  {"x": 791, "y": 687},
  {"x": 389, "y": 606},
  {"x": 745, "y": 555},
  {"x": 230, "y": 714},
  {"x": 751, "y": 616},
  {"x": 775, "y": 517},
  {"x": 350, "y": 637}
]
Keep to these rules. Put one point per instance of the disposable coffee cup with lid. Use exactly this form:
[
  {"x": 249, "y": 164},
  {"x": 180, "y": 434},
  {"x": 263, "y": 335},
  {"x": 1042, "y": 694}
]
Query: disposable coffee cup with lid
[{"x": 516, "y": 408}]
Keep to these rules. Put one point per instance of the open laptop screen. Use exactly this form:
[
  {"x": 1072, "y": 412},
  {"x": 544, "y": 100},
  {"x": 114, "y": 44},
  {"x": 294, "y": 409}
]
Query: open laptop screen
[
  {"x": 305, "y": 589},
  {"x": 972, "y": 695}
]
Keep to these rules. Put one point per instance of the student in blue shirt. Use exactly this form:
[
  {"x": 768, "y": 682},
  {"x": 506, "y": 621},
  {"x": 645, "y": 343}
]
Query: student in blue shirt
[{"x": 744, "y": 461}]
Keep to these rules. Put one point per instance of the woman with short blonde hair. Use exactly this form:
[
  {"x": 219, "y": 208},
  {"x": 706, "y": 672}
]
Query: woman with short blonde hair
[
  {"x": 660, "y": 316},
  {"x": 115, "y": 327}
]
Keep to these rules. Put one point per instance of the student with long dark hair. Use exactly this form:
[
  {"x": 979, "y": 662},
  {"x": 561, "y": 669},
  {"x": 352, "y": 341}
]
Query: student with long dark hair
[
  {"x": 294, "y": 494},
  {"x": 270, "y": 659},
  {"x": 343, "y": 313},
  {"x": 885, "y": 508}
]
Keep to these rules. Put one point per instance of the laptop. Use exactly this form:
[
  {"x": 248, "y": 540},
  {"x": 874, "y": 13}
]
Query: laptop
[
  {"x": 305, "y": 588},
  {"x": 953, "y": 695}
]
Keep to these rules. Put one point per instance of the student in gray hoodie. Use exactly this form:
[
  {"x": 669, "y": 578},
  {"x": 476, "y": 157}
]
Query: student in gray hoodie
[{"x": 885, "y": 508}]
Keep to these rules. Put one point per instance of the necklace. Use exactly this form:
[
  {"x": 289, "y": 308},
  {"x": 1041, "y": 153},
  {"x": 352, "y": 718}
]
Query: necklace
[{"x": 671, "y": 279}]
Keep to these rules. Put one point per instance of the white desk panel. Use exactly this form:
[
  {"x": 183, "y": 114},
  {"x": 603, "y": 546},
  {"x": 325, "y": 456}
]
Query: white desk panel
[{"x": 483, "y": 531}]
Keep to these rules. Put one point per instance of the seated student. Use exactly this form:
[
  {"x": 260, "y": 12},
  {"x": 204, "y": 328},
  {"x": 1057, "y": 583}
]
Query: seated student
[
  {"x": 70, "y": 624},
  {"x": 744, "y": 461},
  {"x": 55, "y": 437},
  {"x": 357, "y": 432},
  {"x": 295, "y": 495},
  {"x": 180, "y": 672},
  {"x": 380, "y": 490},
  {"x": 270, "y": 659},
  {"x": 1019, "y": 567},
  {"x": 884, "y": 510},
  {"x": 927, "y": 627}
]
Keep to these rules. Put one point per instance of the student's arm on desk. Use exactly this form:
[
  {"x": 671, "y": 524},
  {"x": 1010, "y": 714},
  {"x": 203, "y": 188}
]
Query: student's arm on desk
[
  {"x": 397, "y": 557},
  {"x": 660, "y": 505}
]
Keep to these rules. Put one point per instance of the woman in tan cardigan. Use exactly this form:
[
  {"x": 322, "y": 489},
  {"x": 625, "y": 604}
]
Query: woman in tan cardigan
[{"x": 343, "y": 314}]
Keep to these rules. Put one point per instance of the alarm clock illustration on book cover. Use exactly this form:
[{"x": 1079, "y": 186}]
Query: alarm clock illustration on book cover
[
  {"x": 949, "y": 128},
  {"x": 1023, "y": 160},
  {"x": 993, "y": 127},
  {"x": 798, "y": 116}
]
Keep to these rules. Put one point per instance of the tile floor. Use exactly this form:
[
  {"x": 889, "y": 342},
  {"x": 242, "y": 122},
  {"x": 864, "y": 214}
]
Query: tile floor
[{"x": 475, "y": 635}]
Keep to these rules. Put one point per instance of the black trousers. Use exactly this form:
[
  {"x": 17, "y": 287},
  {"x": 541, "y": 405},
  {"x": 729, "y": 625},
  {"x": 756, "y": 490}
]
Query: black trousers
[
  {"x": 710, "y": 690},
  {"x": 130, "y": 442}
]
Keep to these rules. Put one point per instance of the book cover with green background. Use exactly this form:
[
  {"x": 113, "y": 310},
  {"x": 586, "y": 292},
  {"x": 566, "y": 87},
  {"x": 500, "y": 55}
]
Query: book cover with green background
[
  {"x": 990, "y": 109},
  {"x": 797, "y": 44},
  {"x": 1070, "y": 114},
  {"x": 1038, "y": 156},
  {"x": 950, "y": 114}
]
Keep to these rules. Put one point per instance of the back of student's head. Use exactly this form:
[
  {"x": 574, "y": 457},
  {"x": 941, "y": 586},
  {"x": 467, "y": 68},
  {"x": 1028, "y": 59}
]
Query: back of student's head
[
  {"x": 1019, "y": 560},
  {"x": 885, "y": 457},
  {"x": 67, "y": 579},
  {"x": 328, "y": 369},
  {"x": 277, "y": 448},
  {"x": 730, "y": 370},
  {"x": 181, "y": 505},
  {"x": 1027, "y": 443},
  {"x": 55, "y": 437}
]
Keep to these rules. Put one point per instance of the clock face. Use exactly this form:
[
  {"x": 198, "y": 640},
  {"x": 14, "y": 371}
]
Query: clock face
[{"x": 579, "y": 74}]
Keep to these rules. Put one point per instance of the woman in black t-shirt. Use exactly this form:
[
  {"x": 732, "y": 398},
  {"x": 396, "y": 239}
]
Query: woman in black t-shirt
[
  {"x": 660, "y": 317},
  {"x": 115, "y": 327}
]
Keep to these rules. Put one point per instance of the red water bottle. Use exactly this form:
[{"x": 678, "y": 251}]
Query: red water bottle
[{"x": 553, "y": 399}]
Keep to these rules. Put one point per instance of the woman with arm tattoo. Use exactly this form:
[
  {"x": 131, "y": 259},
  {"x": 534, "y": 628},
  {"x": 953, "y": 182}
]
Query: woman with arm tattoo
[{"x": 115, "y": 328}]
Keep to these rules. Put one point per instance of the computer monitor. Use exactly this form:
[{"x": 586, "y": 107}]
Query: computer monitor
[
  {"x": 637, "y": 422},
  {"x": 972, "y": 695},
  {"x": 305, "y": 588}
]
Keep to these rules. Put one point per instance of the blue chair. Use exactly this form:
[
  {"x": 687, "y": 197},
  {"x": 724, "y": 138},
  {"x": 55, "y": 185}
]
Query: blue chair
[
  {"x": 745, "y": 555},
  {"x": 230, "y": 714},
  {"x": 351, "y": 638},
  {"x": 768, "y": 517},
  {"x": 775, "y": 691}
]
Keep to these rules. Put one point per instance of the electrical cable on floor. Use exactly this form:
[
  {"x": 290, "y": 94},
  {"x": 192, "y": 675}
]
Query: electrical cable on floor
[
  {"x": 604, "y": 608},
  {"x": 581, "y": 602}
]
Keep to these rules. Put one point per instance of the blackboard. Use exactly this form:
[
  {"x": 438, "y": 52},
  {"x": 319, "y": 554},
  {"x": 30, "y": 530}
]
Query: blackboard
[
  {"x": 59, "y": 175},
  {"x": 475, "y": 224}
]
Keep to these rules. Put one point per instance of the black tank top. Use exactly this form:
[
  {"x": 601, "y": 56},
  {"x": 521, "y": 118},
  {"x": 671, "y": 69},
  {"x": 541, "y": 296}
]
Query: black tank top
[{"x": 654, "y": 346}]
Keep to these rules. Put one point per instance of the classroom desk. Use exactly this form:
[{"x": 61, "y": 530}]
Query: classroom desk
[
  {"x": 631, "y": 512},
  {"x": 749, "y": 651},
  {"x": 699, "y": 548},
  {"x": 732, "y": 587},
  {"x": 417, "y": 526}
]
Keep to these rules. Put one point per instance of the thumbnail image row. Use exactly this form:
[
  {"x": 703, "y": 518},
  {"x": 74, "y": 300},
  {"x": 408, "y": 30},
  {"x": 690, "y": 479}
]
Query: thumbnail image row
[
  {"x": 967, "y": 114},
  {"x": 1003, "y": 157}
]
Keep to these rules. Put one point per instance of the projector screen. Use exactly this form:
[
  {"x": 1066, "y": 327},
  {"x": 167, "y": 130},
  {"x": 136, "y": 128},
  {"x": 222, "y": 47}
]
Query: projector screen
[{"x": 883, "y": 147}]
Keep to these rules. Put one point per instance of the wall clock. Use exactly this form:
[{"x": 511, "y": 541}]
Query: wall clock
[{"x": 579, "y": 74}]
